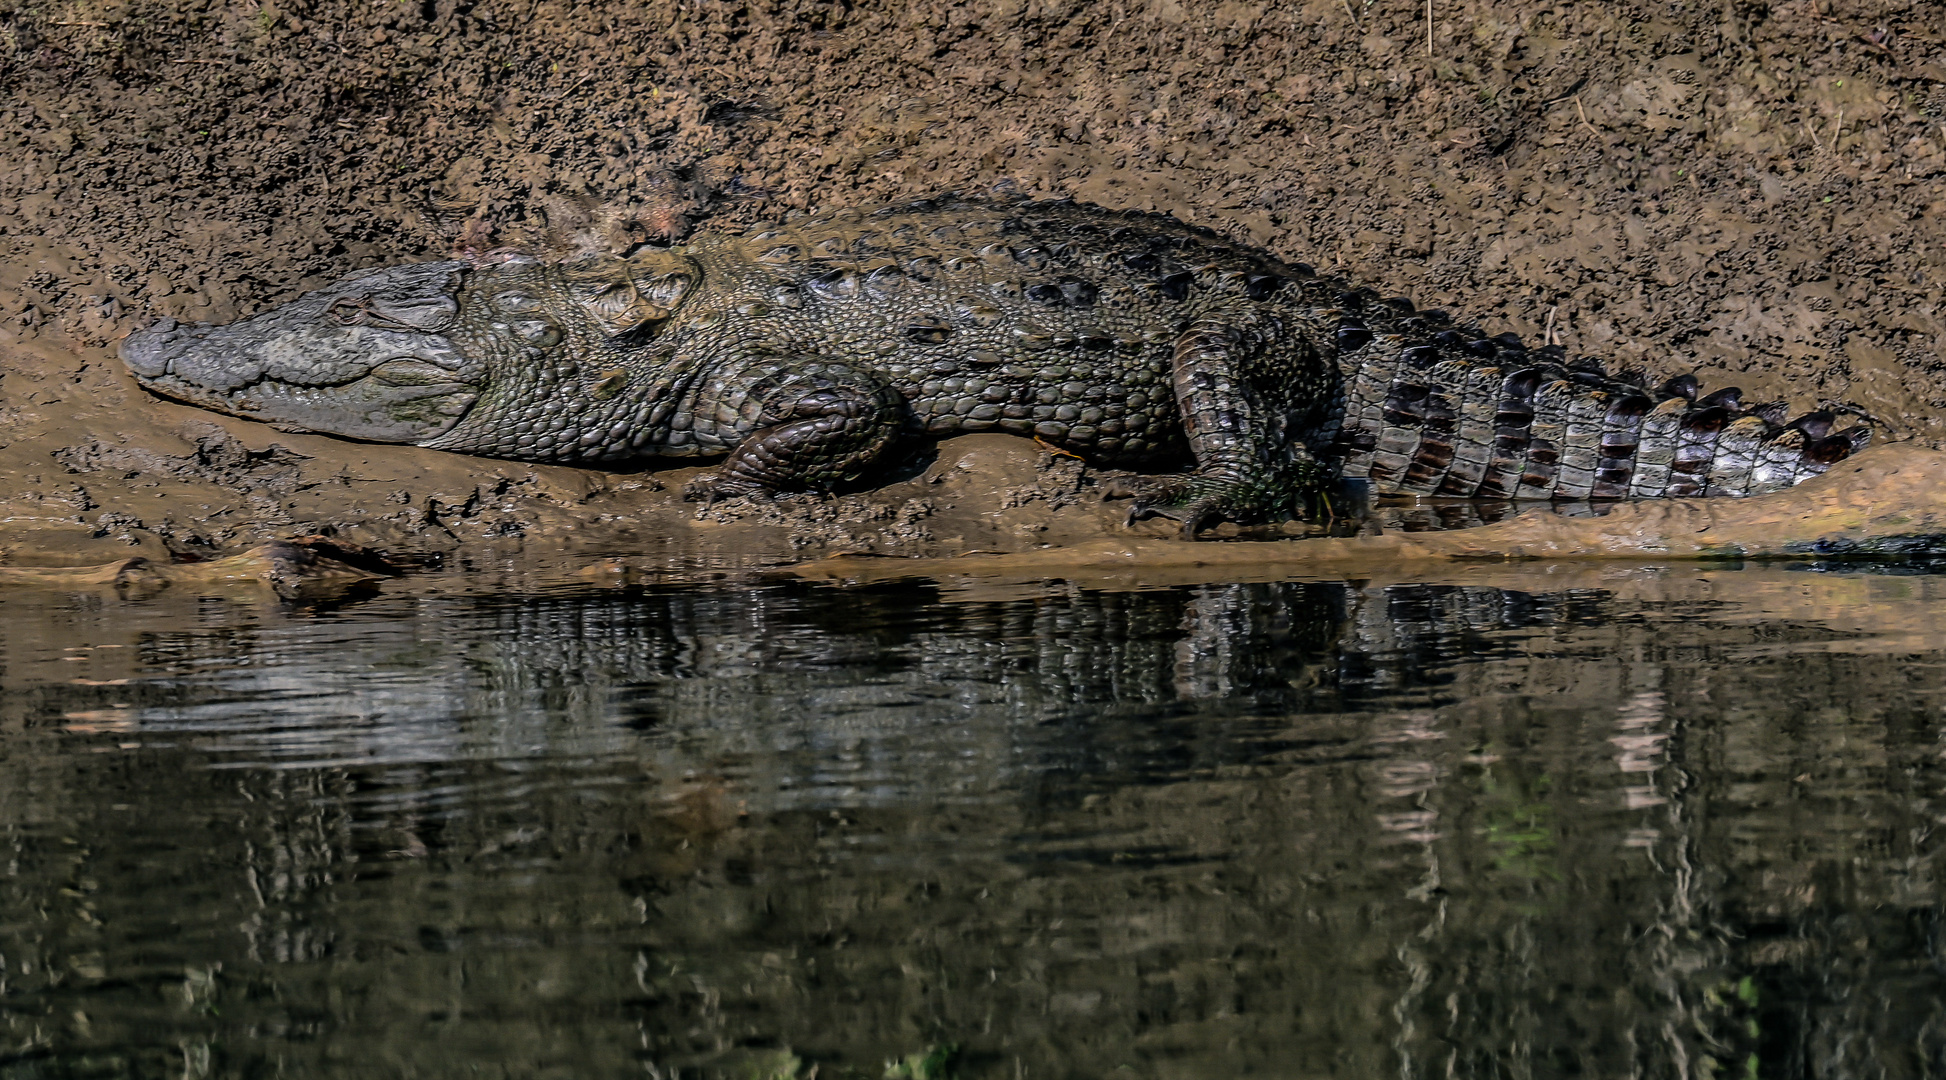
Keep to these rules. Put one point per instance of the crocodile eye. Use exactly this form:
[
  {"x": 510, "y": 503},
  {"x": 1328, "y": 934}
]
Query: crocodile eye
[
  {"x": 516, "y": 303},
  {"x": 347, "y": 311},
  {"x": 394, "y": 313}
]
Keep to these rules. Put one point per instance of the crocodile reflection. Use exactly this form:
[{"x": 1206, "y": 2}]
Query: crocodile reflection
[
  {"x": 795, "y": 658},
  {"x": 576, "y": 672}
]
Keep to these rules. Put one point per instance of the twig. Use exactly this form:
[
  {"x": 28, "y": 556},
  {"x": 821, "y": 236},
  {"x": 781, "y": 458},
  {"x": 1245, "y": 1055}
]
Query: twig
[
  {"x": 1583, "y": 113},
  {"x": 77, "y": 22},
  {"x": 1813, "y": 133},
  {"x": 1548, "y": 336},
  {"x": 1428, "y": 27},
  {"x": 576, "y": 86},
  {"x": 1354, "y": 17},
  {"x": 1112, "y": 27}
]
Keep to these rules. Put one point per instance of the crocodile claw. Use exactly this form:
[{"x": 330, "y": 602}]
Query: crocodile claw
[
  {"x": 1166, "y": 497},
  {"x": 713, "y": 487},
  {"x": 1192, "y": 516}
]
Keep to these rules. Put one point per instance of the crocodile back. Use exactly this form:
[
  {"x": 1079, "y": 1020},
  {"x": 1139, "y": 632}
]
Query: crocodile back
[{"x": 1047, "y": 319}]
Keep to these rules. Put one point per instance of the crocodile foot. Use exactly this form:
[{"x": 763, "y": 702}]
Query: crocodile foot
[
  {"x": 1191, "y": 501},
  {"x": 714, "y": 486},
  {"x": 1199, "y": 500}
]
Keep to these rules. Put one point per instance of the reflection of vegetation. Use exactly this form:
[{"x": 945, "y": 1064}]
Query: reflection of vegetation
[
  {"x": 777, "y": 1065},
  {"x": 1736, "y": 1036},
  {"x": 1519, "y": 827},
  {"x": 935, "y": 1062}
]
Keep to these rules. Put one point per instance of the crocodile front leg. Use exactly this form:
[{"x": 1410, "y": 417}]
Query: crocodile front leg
[
  {"x": 1244, "y": 467},
  {"x": 816, "y": 428}
]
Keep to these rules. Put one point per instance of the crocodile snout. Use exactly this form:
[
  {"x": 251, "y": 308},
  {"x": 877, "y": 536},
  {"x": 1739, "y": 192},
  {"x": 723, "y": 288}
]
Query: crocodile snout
[{"x": 146, "y": 352}]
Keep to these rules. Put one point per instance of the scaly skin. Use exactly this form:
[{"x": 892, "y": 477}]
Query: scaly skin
[{"x": 804, "y": 351}]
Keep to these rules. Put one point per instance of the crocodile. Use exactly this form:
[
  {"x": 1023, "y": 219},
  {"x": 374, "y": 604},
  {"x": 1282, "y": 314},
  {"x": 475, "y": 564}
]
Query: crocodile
[{"x": 1216, "y": 380}]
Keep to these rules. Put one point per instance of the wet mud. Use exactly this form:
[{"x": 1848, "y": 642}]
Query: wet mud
[{"x": 1751, "y": 191}]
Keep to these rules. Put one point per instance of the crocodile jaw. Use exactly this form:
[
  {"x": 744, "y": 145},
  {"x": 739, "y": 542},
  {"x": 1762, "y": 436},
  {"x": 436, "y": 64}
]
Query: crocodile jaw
[{"x": 365, "y": 358}]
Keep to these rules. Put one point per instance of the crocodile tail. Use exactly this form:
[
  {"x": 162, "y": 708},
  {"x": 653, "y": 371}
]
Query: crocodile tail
[{"x": 1465, "y": 416}]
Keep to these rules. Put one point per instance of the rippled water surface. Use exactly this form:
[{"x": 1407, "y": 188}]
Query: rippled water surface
[{"x": 1662, "y": 823}]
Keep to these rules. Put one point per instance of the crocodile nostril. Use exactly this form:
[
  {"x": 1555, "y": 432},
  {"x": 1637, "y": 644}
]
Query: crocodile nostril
[{"x": 146, "y": 352}]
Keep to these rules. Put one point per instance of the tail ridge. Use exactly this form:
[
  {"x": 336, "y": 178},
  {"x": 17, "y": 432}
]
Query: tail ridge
[{"x": 1432, "y": 409}]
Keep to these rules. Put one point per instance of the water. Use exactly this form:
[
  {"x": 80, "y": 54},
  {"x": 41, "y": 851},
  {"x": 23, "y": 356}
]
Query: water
[{"x": 1604, "y": 823}]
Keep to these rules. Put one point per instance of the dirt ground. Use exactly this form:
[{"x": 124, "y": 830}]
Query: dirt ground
[{"x": 1750, "y": 190}]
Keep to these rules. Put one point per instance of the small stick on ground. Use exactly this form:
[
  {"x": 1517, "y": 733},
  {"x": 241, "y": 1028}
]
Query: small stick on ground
[
  {"x": 1428, "y": 27},
  {"x": 576, "y": 86},
  {"x": 1057, "y": 451},
  {"x": 1548, "y": 336},
  {"x": 1583, "y": 113}
]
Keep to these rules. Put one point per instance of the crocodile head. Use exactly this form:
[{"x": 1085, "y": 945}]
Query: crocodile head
[
  {"x": 369, "y": 358},
  {"x": 515, "y": 359}
]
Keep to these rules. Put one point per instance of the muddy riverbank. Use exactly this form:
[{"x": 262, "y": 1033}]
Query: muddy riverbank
[{"x": 1750, "y": 191}]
